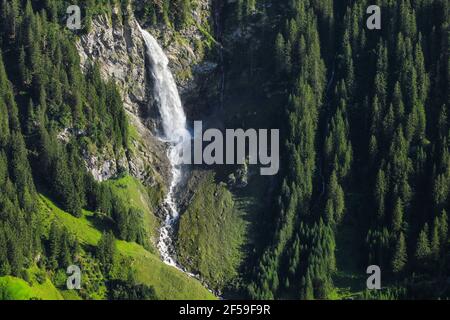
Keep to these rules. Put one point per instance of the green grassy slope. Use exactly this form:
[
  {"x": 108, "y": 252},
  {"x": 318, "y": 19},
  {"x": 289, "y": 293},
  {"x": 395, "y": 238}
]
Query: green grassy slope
[
  {"x": 211, "y": 234},
  {"x": 131, "y": 191},
  {"x": 169, "y": 283},
  {"x": 12, "y": 288}
]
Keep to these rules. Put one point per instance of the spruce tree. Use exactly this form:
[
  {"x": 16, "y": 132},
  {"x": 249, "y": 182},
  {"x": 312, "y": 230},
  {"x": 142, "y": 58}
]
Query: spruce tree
[
  {"x": 423, "y": 250},
  {"x": 400, "y": 256}
]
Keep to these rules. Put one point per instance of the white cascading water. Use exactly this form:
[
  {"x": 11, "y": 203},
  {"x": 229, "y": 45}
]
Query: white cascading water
[{"x": 175, "y": 133}]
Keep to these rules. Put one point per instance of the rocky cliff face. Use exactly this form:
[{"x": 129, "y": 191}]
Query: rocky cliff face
[
  {"x": 115, "y": 43},
  {"x": 189, "y": 51}
]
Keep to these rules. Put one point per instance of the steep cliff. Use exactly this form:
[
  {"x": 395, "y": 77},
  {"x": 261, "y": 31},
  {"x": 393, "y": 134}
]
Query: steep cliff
[
  {"x": 115, "y": 44},
  {"x": 191, "y": 52}
]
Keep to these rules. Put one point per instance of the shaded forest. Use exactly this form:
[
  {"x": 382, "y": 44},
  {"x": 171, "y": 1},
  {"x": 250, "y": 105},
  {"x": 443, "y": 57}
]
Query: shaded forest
[{"x": 366, "y": 143}]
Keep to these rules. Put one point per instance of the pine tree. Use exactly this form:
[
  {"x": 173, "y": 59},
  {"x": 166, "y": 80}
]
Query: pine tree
[
  {"x": 380, "y": 192},
  {"x": 400, "y": 256},
  {"x": 3, "y": 168},
  {"x": 443, "y": 227},
  {"x": 30, "y": 123},
  {"x": 54, "y": 245},
  {"x": 106, "y": 251},
  {"x": 5, "y": 268},
  {"x": 435, "y": 245},
  {"x": 23, "y": 69},
  {"x": 21, "y": 172},
  {"x": 65, "y": 256},
  {"x": 280, "y": 53},
  {"x": 336, "y": 203},
  {"x": 4, "y": 124},
  {"x": 423, "y": 250},
  {"x": 397, "y": 216}
]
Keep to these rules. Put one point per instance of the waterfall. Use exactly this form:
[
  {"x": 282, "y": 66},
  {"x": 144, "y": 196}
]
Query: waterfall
[{"x": 175, "y": 133}]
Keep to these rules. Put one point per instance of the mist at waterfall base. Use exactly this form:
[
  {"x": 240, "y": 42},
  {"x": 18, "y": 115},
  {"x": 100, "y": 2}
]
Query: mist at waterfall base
[{"x": 175, "y": 133}]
